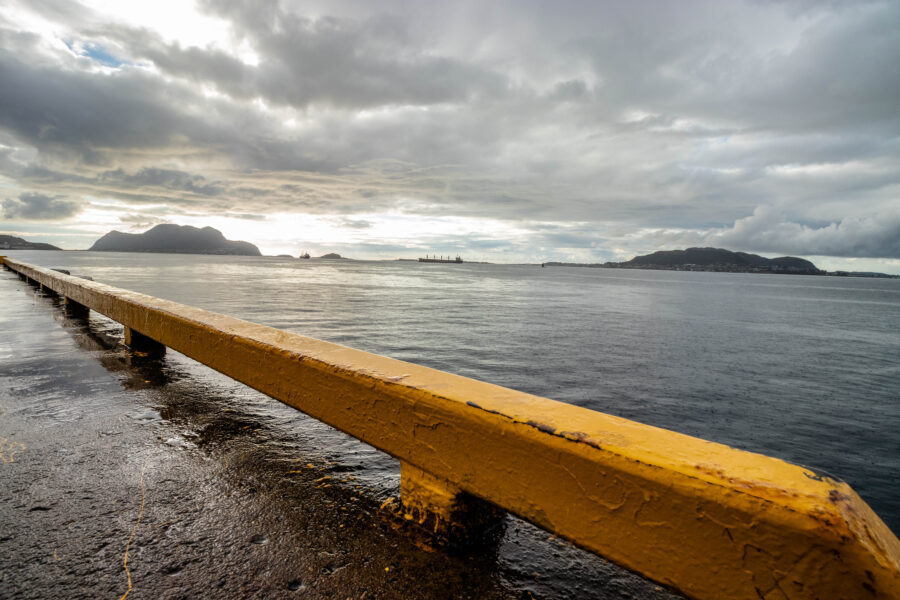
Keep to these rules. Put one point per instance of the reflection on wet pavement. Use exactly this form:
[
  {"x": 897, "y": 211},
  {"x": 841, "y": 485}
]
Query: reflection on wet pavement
[{"x": 215, "y": 490}]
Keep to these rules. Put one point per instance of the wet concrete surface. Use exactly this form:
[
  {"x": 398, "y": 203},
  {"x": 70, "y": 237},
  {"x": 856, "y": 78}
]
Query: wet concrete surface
[{"x": 158, "y": 478}]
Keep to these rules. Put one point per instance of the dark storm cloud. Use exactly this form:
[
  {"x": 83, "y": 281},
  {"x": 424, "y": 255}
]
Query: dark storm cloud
[
  {"x": 85, "y": 114},
  {"x": 838, "y": 73},
  {"x": 142, "y": 186},
  {"x": 340, "y": 62},
  {"x": 37, "y": 207},
  {"x": 165, "y": 178},
  {"x": 101, "y": 119},
  {"x": 41, "y": 174}
]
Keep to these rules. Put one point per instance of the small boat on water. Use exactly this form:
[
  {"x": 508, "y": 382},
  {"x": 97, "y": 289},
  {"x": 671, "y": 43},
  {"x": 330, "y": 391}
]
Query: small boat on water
[
  {"x": 435, "y": 259},
  {"x": 304, "y": 255}
]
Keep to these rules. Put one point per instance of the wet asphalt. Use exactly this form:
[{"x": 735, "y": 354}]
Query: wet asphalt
[{"x": 127, "y": 476}]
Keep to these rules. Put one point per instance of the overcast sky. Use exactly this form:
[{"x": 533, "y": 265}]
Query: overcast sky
[{"x": 501, "y": 131}]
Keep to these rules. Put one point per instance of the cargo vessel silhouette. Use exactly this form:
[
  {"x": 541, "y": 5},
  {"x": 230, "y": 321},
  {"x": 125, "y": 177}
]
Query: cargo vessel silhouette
[{"x": 435, "y": 259}]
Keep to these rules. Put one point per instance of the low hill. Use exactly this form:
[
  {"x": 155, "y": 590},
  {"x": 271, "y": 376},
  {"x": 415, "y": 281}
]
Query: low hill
[
  {"x": 719, "y": 257},
  {"x": 10, "y": 242},
  {"x": 175, "y": 239},
  {"x": 712, "y": 259}
]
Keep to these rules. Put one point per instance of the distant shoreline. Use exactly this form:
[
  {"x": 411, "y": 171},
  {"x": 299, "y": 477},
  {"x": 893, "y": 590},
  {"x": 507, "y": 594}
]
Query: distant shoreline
[
  {"x": 720, "y": 269},
  {"x": 720, "y": 260},
  {"x": 626, "y": 266}
]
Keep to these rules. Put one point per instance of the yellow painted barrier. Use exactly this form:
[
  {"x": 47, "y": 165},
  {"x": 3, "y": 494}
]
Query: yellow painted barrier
[{"x": 708, "y": 520}]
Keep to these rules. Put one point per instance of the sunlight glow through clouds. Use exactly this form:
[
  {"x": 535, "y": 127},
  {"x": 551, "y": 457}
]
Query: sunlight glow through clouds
[
  {"x": 175, "y": 20},
  {"x": 101, "y": 217},
  {"x": 819, "y": 169},
  {"x": 292, "y": 232}
]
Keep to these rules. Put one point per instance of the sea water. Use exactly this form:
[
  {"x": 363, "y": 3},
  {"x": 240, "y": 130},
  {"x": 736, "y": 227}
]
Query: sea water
[{"x": 803, "y": 368}]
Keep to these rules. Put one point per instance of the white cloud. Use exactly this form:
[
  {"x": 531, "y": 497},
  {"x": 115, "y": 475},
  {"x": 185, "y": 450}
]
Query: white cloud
[{"x": 768, "y": 230}]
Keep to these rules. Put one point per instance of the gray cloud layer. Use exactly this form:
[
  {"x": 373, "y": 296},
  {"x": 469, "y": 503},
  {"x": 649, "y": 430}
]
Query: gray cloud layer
[
  {"x": 768, "y": 127},
  {"x": 39, "y": 207},
  {"x": 769, "y": 230},
  {"x": 340, "y": 62}
]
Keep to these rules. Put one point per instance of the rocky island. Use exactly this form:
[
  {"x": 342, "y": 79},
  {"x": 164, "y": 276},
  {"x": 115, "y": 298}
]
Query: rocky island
[
  {"x": 10, "y": 242},
  {"x": 710, "y": 259},
  {"x": 175, "y": 239}
]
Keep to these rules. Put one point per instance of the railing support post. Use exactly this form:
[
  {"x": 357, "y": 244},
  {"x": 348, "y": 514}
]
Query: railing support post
[
  {"x": 442, "y": 509},
  {"x": 141, "y": 343},
  {"x": 76, "y": 310}
]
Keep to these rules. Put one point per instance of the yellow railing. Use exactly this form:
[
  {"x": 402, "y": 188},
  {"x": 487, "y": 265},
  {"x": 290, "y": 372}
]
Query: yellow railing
[{"x": 705, "y": 519}]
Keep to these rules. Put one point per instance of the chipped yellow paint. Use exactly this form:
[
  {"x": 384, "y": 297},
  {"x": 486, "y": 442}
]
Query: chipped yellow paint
[{"x": 700, "y": 517}]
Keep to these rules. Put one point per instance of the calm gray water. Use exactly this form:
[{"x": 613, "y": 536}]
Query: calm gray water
[{"x": 802, "y": 368}]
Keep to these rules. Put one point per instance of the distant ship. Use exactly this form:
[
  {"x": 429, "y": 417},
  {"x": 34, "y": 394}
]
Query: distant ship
[
  {"x": 304, "y": 255},
  {"x": 435, "y": 259}
]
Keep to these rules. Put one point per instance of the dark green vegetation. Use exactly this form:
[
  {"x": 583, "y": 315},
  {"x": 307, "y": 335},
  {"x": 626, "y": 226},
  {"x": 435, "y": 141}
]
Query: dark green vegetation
[
  {"x": 711, "y": 259},
  {"x": 9, "y": 242},
  {"x": 862, "y": 274},
  {"x": 720, "y": 259},
  {"x": 176, "y": 239}
]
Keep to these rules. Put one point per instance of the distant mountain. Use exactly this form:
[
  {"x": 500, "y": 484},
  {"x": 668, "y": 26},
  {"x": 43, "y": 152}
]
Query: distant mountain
[
  {"x": 176, "y": 239},
  {"x": 9, "y": 242},
  {"x": 719, "y": 257},
  {"x": 331, "y": 255},
  {"x": 714, "y": 259}
]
